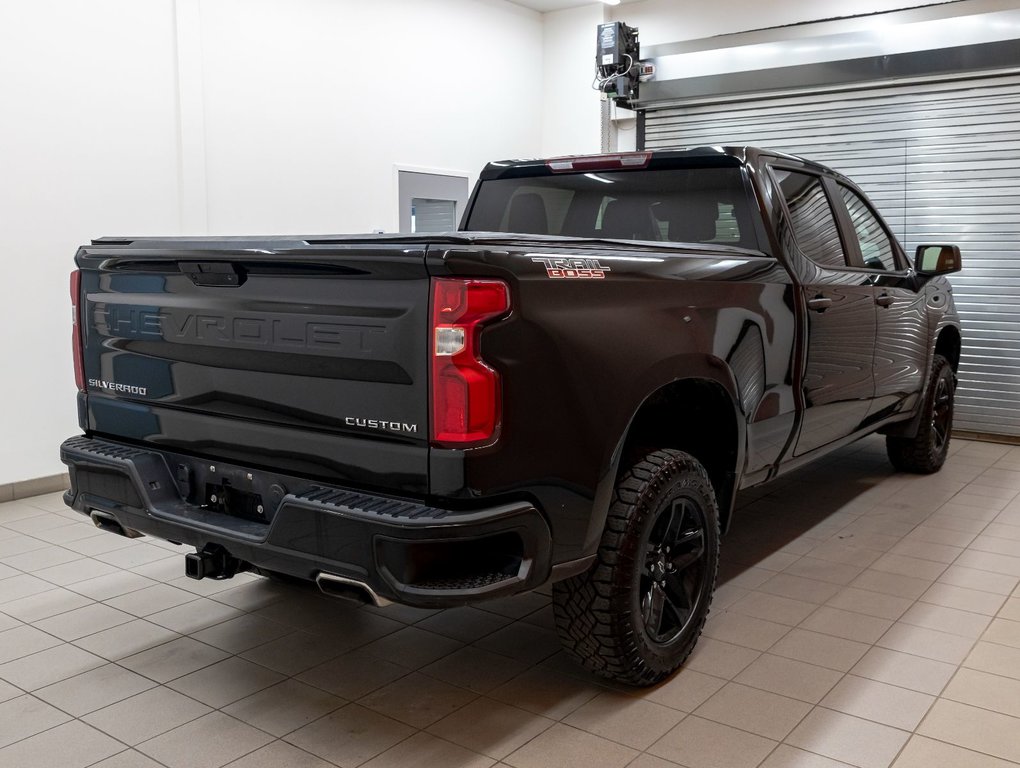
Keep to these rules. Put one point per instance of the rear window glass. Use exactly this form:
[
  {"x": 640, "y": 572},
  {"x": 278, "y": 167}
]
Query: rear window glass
[{"x": 689, "y": 205}]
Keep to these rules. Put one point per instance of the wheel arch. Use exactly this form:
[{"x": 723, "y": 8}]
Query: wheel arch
[
  {"x": 949, "y": 344},
  {"x": 700, "y": 416}
]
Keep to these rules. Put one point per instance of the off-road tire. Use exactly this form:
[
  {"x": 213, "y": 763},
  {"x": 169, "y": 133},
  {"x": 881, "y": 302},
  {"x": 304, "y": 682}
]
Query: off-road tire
[
  {"x": 602, "y": 615},
  {"x": 926, "y": 452}
]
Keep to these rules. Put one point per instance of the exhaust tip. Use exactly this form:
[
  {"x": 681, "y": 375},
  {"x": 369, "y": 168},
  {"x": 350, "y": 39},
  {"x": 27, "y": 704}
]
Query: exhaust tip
[
  {"x": 107, "y": 522},
  {"x": 349, "y": 589}
]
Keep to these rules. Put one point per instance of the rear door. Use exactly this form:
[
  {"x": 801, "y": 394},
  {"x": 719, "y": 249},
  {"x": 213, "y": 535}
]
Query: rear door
[
  {"x": 299, "y": 356},
  {"x": 901, "y": 342},
  {"x": 840, "y": 324}
]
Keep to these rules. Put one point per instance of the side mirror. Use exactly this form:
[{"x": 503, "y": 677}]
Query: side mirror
[{"x": 937, "y": 259}]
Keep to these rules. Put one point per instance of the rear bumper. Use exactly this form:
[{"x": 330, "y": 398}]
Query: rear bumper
[{"x": 403, "y": 551}]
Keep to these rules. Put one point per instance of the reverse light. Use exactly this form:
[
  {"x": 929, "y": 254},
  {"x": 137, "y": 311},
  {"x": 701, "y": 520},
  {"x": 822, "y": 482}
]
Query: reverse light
[
  {"x": 615, "y": 162},
  {"x": 79, "y": 370},
  {"x": 466, "y": 392}
]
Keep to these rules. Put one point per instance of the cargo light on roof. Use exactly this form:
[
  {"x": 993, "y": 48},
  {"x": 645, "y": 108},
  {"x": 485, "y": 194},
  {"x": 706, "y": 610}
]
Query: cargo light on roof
[{"x": 615, "y": 162}]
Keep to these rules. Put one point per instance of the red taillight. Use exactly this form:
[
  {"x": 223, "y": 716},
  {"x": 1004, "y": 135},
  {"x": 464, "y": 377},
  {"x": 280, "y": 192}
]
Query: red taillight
[
  {"x": 79, "y": 375},
  {"x": 466, "y": 396},
  {"x": 618, "y": 162}
]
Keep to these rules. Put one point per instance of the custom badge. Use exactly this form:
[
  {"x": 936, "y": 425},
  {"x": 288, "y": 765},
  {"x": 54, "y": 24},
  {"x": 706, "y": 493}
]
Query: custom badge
[{"x": 572, "y": 269}]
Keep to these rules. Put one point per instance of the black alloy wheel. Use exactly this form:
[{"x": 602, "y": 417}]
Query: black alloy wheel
[
  {"x": 926, "y": 452},
  {"x": 636, "y": 615}
]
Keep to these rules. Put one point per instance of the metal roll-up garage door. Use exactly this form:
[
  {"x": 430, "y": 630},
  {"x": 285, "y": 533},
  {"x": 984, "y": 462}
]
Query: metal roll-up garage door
[{"x": 941, "y": 160}]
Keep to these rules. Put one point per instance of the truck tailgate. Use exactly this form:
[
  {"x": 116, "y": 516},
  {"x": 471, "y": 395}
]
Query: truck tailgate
[{"x": 304, "y": 356}]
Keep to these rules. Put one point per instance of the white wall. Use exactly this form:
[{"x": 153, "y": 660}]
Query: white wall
[
  {"x": 571, "y": 108},
  {"x": 88, "y": 146},
  {"x": 120, "y": 117}
]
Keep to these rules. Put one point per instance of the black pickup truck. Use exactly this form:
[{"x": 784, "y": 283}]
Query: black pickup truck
[{"x": 570, "y": 390}]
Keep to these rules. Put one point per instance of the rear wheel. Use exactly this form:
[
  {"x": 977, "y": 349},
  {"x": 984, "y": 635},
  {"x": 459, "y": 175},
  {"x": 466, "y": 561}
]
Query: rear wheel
[
  {"x": 926, "y": 452},
  {"x": 636, "y": 615}
]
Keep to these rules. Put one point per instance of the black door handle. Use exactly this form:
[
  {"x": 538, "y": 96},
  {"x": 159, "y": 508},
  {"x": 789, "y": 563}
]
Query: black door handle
[
  {"x": 819, "y": 303},
  {"x": 884, "y": 300}
]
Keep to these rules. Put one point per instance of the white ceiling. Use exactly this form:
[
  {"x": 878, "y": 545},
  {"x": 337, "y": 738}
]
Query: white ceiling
[{"x": 557, "y": 5}]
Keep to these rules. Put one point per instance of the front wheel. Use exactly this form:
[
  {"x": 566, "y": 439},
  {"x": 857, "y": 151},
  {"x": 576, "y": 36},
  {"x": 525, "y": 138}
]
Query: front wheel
[
  {"x": 636, "y": 615},
  {"x": 926, "y": 452}
]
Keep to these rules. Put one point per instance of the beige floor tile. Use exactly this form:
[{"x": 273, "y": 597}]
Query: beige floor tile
[
  {"x": 750, "y": 709},
  {"x": 76, "y": 573},
  {"x": 824, "y": 570},
  {"x": 994, "y": 658},
  {"x": 788, "y": 677},
  {"x": 1002, "y": 631},
  {"x": 929, "y": 643},
  {"x": 23, "y": 641},
  {"x": 417, "y": 700},
  {"x": 253, "y": 595},
  {"x": 516, "y": 606},
  {"x": 522, "y": 641},
  {"x": 632, "y": 721},
  {"x": 988, "y": 561},
  {"x": 149, "y": 600},
  {"x": 870, "y": 603},
  {"x": 700, "y": 743},
  {"x": 126, "y": 639},
  {"x": 83, "y": 621},
  {"x": 491, "y": 728},
  {"x": 37, "y": 559},
  {"x": 846, "y": 624},
  {"x": 426, "y": 751},
  {"x": 1010, "y": 609},
  {"x": 849, "y": 551},
  {"x": 820, "y": 650},
  {"x": 905, "y": 670},
  {"x": 8, "y": 691},
  {"x": 963, "y": 599},
  {"x": 786, "y": 756},
  {"x": 686, "y": 690},
  {"x": 797, "y": 588},
  {"x": 295, "y": 653},
  {"x": 943, "y": 619},
  {"x": 279, "y": 754},
  {"x": 71, "y": 745},
  {"x": 849, "y": 739},
  {"x": 208, "y": 742},
  {"x": 413, "y": 647},
  {"x": 773, "y": 608},
  {"x": 45, "y": 604},
  {"x": 284, "y": 707},
  {"x": 174, "y": 659},
  {"x": 976, "y": 729},
  {"x": 568, "y": 747},
  {"x": 112, "y": 585},
  {"x": 24, "y": 716},
  {"x": 225, "y": 682},
  {"x": 972, "y": 578},
  {"x": 546, "y": 692},
  {"x": 922, "y": 752},
  {"x": 926, "y": 550},
  {"x": 145, "y": 715},
  {"x": 199, "y": 614},
  {"x": 714, "y": 657},
  {"x": 904, "y": 565},
  {"x": 880, "y": 702},
  {"x": 985, "y": 690},
  {"x": 350, "y": 736},
  {"x": 465, "y": 624},
  {"x": 475, "y": 669},
  {"x": 739, "y": 629},
  {"x": 94, "y": 689},
  {"x": 645, "y": 760},
  {"x": 1003, "y": 531},
  {"x": 944, "y": 536},
  {"x": 49, "y": 666},
  {"x": 241, "y": 634},
  {"x": 353, "y": 675}
]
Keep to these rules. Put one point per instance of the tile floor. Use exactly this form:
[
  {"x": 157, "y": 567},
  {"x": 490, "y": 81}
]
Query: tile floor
[{"x": 863, "y": 618}]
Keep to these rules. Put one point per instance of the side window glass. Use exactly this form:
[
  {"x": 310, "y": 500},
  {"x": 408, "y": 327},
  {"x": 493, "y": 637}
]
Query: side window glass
[
  {"x": 877, "y": 250},
  {"x": 811, "y": 216}
]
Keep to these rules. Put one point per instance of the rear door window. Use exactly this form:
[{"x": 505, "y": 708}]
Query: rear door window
[{"x": 811, "y": 217}]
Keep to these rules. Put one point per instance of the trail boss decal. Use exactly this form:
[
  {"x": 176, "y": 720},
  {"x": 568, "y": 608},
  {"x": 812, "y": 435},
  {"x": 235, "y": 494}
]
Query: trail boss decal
[{"x": 576, "y": 269}]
